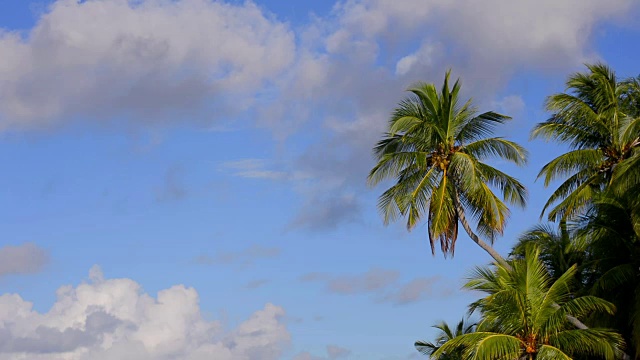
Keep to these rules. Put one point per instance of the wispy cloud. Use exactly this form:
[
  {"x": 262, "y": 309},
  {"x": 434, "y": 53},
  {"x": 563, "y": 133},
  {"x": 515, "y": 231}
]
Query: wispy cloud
[
  {"x": 22, "y": 259},
  {"x": 253, "y": 169},
  {"x": 384, "y": 285},
  {"x": 416, "y": 290},
  {"x": 333, "y": 352},
  {"x": 327, "y": 212},
  {"x": 336, "y": 352},
  {"x": 254, "y": 284},
  {"x": 173, "y": 187},
  {"x": 244, "y": 257}
]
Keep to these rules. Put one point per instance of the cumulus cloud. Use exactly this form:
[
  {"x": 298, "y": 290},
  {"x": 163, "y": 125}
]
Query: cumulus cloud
[
  {"x": 383, "y": 284},
  {"x": 542, "y": 34},
  {"x": 151, "y": 59},
  {"x": 244, "y": 257},
  {"x": 155, "y": 60},
  {"x": 22, "y": 259},
  {"x": 114, "y": 319}
]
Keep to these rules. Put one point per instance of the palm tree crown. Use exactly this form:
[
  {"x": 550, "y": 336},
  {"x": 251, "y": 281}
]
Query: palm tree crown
[
  {"x": 434, "y": 148},
  {"x": 524, "y": 316},
  {"x": 599, "y": 119}
]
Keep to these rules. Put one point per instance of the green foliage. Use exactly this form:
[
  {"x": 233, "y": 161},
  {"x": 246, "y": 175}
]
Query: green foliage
[
  {"x": 445, "y": 334},
  {"x": 559, "y": 249},
  {"x": 599, "y": 119},
  {"x": 524, "y": 315},
  {"x": 565, "y": 288},
  {"x": 611, "y": 230},
  {"x": 434, "y": 148}
]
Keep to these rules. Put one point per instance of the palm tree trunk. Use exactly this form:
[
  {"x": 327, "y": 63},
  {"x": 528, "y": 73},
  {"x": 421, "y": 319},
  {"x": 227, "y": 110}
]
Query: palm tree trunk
[{"x": 486, "y": 247}]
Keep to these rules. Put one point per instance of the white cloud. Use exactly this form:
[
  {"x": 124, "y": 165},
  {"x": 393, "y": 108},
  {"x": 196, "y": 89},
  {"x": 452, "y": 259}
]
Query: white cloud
[
  {"x": 543, "y": 34},
  {"x": 160, "y": 60},
  {"x": 22, "y": 259},
  {"x": 114, "y": 320},
  {"x": 148, "y": 58},
  {"x": 405, "y": 64}
]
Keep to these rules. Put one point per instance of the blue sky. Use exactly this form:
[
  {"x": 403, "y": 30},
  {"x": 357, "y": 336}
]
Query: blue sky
[{"x": 187, "y": 179}]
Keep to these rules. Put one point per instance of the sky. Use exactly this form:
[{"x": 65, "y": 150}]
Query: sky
[{"x": 187, "y": 179}]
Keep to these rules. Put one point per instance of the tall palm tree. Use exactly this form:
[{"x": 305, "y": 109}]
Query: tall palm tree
[
  {"x": 524, "y": 316},
  {"x": 434, "y": 147},
  {"x": 599, "y": 119},
  {"x": 445, "y": 334}
]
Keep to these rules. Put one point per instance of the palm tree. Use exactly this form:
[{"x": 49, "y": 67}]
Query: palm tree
[
  {"x": 559, "y": 248},
  {"x": 612, "y": 231},
  {"x": 434, "y": 147},
  {"x": 599, "y": 119},
  {"x": 524, "y": 316},
  {"x": 445, "y": 334}
]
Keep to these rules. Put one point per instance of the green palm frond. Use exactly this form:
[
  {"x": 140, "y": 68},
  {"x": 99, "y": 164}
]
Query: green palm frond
[
  {"x": 548, "y": 352},
  {"x": 481, "y": 126},
  {"x": 594, "y": 342},
  {"x": 571, "y": 163},
  {"x": 497, "y": 148},
  {"x": 482, "y": 345},
  {"x": 574, "y": 194},
  {"x": 512, "y": 190},
  {"x": 445, "y": 333}
]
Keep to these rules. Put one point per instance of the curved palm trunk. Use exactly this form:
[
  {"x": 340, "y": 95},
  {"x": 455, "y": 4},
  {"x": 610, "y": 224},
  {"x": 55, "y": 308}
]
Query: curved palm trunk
[{"x": 486, "y": 247}]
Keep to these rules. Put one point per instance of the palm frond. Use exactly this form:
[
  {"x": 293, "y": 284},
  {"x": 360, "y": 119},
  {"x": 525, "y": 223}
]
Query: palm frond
[
  {"x": 497, "y": 147},
  {"x": 570, "y": 163}
]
